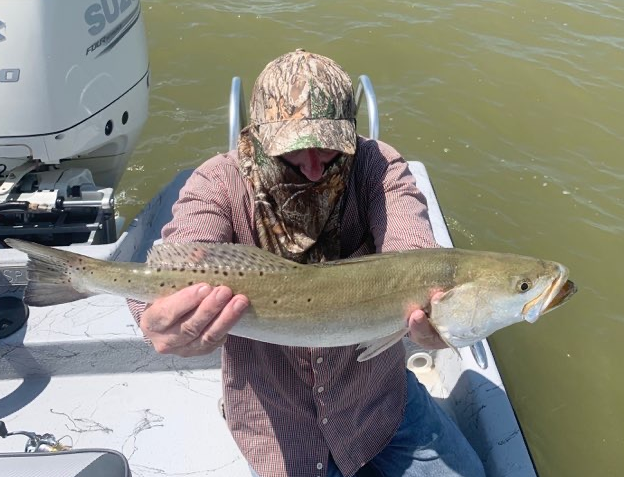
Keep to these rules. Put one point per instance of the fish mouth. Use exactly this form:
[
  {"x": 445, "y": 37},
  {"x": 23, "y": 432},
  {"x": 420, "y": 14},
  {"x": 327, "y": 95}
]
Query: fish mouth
[{"x": 559, "y": 291}]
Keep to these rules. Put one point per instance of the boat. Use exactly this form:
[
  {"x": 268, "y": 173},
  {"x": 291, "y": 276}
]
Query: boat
[{"x": 78, "y": 378}]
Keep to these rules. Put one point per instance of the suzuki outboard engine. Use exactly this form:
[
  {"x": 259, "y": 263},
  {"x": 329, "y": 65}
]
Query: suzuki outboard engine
[{"x": 74, "y": 80}]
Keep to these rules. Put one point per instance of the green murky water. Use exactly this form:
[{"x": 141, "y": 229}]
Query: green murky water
[{"x": 516, "y": 109}]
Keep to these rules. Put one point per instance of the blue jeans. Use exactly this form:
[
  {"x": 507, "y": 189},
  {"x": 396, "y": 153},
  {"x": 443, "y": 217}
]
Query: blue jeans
[{"x": 427, "y": 443}]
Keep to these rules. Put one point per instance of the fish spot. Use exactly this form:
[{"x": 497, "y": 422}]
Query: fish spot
[
  {"x": 203, "y": 271},
  {"x": 261, "y": 273},
  {"x": 114, "y": 279},
  {"x": 309, "y": 300},
  {"x": 275, "y": 302},
  {"x": 162, "y": 284},
  {"x": 225, "y": 274},
  {"x": 190, "y": 283},
  {"x": 173, "y": 286},
  {"x": 158, "y": 270},
  {"x": 241, "y": 274},
  {"x": 129, "y": 281}
]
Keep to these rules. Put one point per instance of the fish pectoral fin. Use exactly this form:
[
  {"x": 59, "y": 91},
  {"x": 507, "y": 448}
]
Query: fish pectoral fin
[{"x": 378, "y": 346}]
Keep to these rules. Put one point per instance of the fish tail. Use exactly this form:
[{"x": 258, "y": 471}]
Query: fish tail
[{"x": 49, "y": 274}]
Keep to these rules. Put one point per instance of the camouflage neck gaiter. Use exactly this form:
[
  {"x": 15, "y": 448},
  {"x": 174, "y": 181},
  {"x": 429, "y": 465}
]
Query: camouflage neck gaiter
[{"x": 295, "y": 218}]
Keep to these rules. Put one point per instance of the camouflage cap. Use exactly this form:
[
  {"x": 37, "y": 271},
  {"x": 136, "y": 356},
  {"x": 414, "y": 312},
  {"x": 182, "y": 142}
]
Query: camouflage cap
[{"x": 303, "y": 100}]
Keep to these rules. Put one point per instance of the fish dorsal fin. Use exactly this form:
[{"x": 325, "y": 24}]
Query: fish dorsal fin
[
  {"x": 375, "y": 257},
  {"x": 216, "y": 255}
]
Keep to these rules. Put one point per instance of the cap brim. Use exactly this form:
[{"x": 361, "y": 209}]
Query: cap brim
[{"x": 285, "y": 136}]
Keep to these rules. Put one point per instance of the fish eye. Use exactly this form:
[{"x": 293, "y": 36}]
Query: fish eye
[{"x": 524, "y": 285}]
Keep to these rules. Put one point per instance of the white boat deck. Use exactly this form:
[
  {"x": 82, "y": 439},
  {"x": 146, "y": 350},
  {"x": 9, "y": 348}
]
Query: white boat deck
[{"x": 82, "y": 370}]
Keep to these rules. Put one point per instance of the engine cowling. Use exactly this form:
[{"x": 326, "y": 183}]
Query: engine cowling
[{"x": 74, "y": 84}]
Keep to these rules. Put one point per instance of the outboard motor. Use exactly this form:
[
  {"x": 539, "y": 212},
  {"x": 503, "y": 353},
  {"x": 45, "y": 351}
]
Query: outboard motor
[{"x": 74, "y": 80}]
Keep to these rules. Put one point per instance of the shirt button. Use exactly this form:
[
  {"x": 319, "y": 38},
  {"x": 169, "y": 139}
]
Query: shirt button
[
  {"x": 319, "y": 360},
  {"x": 319, "y": 466},
  {"x": 324, "y": 421},
  {"x": 320, "y": 389}
]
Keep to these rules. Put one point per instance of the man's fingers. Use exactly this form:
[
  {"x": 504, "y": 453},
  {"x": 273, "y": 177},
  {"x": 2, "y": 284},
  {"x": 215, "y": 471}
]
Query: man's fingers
[
  {"x": 194, "y": 321},
  {"x": 422, "y": 333},
  {"x": 166, "y": 311},
  {"x": 420, "y": 329},
  {"x": 215, "y": 332},
  {"x": 214, "y": 316},
  {"x": 230, "y": 314},
  {"x": 437, "y": 296},
  {"x": 205, "y": 312},
  {"x": 419, "y": 317}
]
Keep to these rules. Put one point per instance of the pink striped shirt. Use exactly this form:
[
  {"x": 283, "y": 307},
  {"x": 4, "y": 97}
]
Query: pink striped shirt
[{"x": 288, "y": 408}]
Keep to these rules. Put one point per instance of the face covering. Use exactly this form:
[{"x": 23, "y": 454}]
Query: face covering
[{"x": 295, "y": 218}]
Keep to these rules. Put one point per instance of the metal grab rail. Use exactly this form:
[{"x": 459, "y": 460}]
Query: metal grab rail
[
  {"x": 366, "y": 86},
  {"x": 238, "y": 114}
]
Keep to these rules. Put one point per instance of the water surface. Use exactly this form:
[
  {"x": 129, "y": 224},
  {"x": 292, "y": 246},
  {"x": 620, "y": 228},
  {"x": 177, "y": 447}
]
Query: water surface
[{"x": 516, "y": 109}]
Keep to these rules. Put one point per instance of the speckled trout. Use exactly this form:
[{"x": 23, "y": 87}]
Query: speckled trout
[{"x": 361, "y": 300}]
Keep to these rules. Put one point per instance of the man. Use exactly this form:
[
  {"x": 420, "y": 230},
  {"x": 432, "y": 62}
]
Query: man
[{"x": 304, "y": 186}]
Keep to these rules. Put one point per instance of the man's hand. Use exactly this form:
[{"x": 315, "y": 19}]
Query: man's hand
[
  {"x": 193, "y": 321},
  {"x": 421, "y": 332}
]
